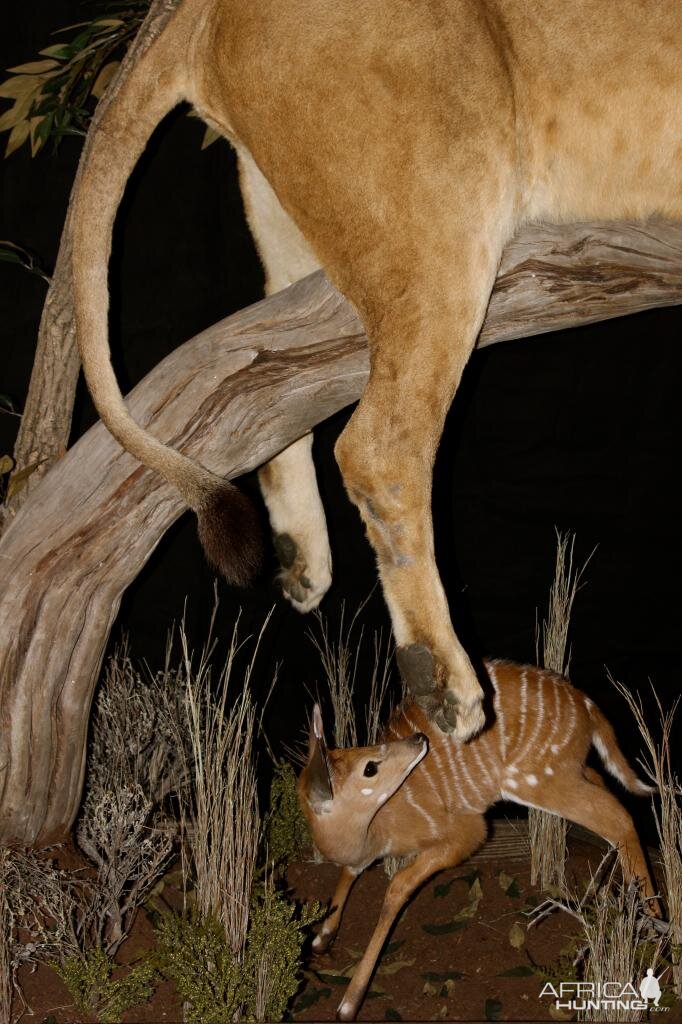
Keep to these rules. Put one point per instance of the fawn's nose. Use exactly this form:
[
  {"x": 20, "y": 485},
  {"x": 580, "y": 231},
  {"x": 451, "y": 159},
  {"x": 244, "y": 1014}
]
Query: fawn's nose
[{"x": 419, "y": 737}]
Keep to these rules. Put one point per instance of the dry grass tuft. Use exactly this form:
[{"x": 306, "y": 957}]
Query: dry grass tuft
[
  {"x": 617, "y": 941},
  {"x": 6, "y": 979},
  {"x": 547, "y": 832},
  {"x": 219, "y": 805},
  {"x": 658, "y": 766}
]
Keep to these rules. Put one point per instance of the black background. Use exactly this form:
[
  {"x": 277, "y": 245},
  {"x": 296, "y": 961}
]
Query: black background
[{"x": 577, "y": 430}]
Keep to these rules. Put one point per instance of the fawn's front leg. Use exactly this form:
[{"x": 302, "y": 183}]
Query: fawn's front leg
[
  {"x": 330, "y": 925},
  {"x": 471, "y": 829}
]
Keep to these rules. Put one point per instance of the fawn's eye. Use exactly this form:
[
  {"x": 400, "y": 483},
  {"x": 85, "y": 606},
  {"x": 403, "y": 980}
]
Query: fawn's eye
[{"x": 371, "y": 768}]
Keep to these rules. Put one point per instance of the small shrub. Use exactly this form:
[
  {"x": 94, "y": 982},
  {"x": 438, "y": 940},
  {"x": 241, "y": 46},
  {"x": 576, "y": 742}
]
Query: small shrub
[
  {"x": 218, "y": 986},
  {"x": 93, "y": 990},
  {"x": 273, "y": 952},
  {"x": 286, "y": 830},
  {"x": 194, "y": 954}
]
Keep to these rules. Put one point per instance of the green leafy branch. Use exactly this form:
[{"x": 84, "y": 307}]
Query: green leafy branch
[{"x": 51, "y": 97}]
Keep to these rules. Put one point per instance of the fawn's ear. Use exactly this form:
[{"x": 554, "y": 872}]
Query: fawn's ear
[{"x": 319, "y": 776}]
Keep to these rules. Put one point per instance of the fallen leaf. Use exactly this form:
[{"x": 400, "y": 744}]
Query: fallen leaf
[
  {"x": 505, "y": 880},
  {"x": 444, "y": 929},
  {"x": 447, "y": 988},
  {"x": 517, "y": 935},
  {"x": 6, "y": 464},
  {"x": 493, "y": 1009},
  {"x": 310, "y": 997},
  {"x": 329, "y": 978},
  {"x": 442, "y": 1013},
  {"x": 522, "y": 971},
  {"x": 396, "y": 966},
  {"x": 394, "y": 946},
  {"x": 392, "y": 1014},
  {"x": 442, "y": 975},
  {"x": 429, "y": 989},
  {"x": 556, "y": 1013}
]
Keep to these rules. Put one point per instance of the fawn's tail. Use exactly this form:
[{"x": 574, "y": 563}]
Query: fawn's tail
[{"x": 605, "y": 743}]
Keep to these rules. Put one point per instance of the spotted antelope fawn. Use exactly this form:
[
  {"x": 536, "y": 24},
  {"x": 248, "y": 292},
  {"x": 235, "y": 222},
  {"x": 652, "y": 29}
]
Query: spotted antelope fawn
[{"x": 423, "y": 792}]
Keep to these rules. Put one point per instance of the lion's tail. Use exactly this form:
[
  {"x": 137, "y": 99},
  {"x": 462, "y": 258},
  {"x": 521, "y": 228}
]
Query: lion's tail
[{"x": 228, "y": 524}]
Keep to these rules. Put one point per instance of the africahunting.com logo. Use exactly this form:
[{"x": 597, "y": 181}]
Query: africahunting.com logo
[{"x": 606, "y": 995}]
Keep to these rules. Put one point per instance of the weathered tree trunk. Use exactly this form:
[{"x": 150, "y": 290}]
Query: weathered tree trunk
[
  {"x": 46, "y": 420},
  {"x": 232, "y": 397}
]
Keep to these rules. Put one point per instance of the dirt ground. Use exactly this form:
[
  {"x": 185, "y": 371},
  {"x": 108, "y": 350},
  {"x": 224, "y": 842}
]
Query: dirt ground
[{"x": 460, "y": 951}]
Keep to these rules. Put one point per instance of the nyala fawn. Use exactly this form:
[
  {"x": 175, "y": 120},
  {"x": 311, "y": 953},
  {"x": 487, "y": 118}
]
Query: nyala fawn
[{"x": 423, "y": 792}]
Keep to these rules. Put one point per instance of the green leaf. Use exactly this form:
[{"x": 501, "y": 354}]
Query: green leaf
[
  {"x": 394, "y": 946},
  {"x": 391, "y": 1014},
  {"x": 444, "y": 929},
  {"x": 493, "y": 1009},
  {"x": 522, "y": 971},
  {"x": 58, "y": 50}
]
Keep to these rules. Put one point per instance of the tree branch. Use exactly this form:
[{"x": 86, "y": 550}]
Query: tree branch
[{"x": 232, "y": 398}]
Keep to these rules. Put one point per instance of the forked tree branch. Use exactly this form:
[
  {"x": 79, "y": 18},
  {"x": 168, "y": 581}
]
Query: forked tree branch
[{"x": 232, "y": 398}]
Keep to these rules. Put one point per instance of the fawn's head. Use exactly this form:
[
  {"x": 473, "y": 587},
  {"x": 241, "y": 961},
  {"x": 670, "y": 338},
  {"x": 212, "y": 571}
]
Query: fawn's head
[{"x": 340, "y": 791}]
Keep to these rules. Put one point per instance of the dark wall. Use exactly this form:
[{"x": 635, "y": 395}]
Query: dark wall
[{"x": 577, "y": 430}]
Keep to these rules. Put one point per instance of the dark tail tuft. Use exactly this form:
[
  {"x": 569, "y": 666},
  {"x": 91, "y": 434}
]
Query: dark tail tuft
[{"x": 231, "y": 534}]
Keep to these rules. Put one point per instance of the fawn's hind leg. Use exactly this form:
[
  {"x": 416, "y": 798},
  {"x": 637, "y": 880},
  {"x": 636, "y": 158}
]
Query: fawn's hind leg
[
  {"x": 594, "y": 807},
  {"x": 288, "y": 482}
]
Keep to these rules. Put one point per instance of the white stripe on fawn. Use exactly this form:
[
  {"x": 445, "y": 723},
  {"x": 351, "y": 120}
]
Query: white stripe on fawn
[
  {"x": 413, "y": 803},
  {"x": 568, "y": 732},
  {"x": 522, "y": 710},
  {"x": 556, "y": 718},
  {"x": 529, "y": 747},
  {"x": 461, "y": 760},
  {"x": 497, "y": 704},
  {"x": 454, "y": 776}
]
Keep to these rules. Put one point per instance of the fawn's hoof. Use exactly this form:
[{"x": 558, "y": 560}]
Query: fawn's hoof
[
  {"x": 420, "y": 673},
  {"x": 323, "y": 941},
  {"x": 303, "y": 586},
  {"x": 346, "y": 1011}
]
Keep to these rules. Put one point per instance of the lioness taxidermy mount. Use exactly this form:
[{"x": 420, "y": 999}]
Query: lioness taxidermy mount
[{"x": 399, "y": 145}]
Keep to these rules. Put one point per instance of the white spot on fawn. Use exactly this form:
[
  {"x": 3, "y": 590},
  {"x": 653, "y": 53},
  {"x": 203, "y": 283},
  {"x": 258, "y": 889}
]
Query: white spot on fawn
[
  {"x": 548, "y": 770},
  {"x": 554, "y": 748},
  {"x": 384, "y": 796},
  {"x": 367, "y": 792},
  {"x": 532, "y": 780},
  {"x": 512, "y": 783},
  {"x": 512, "y": 769}
]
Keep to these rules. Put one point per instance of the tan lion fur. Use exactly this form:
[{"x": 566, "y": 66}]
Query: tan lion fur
[{"x": 406, "y": 142}]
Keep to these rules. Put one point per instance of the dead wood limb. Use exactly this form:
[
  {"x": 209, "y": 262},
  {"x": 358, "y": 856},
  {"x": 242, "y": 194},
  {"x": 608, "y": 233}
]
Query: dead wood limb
[{"x": 232, "y": 397}]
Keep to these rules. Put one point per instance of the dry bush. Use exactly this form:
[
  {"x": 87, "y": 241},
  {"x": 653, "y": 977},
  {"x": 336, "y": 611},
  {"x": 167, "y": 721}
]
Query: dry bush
[
  {"x": 6, "y": 979},
  {"x": 547, "y": 832},
  {"x": 658, "y": 766}
]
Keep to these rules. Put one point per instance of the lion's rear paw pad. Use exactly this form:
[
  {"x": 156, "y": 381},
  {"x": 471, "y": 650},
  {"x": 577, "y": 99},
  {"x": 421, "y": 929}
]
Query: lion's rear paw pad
[{"x": 297, "y": 585}]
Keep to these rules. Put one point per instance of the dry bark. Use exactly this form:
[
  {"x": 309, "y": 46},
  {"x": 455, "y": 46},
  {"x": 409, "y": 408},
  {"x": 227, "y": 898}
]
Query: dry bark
[
  {"x": 232, "y": 397},
  {"x": 46, "y": 420}
]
